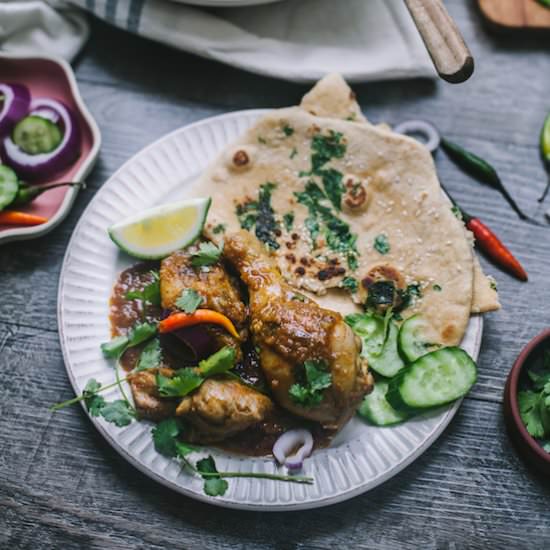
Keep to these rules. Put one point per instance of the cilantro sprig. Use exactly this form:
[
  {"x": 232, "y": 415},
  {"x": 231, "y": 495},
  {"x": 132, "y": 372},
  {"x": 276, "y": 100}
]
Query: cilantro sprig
[
  {"x": 167, "y": 439},
  {"x": 317, "y": 379},
  {"x": 207, "y": 254},
  {"x": 189, "y": 300},
  {"x": 150, "y": 294},
  {"x": 141, "y": 332},
  {"x": 534, "y": 402},
  {"x": 189, "y": 379}
]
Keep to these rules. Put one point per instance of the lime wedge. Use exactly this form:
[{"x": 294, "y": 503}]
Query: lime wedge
[{"x": 157, "y": 232}]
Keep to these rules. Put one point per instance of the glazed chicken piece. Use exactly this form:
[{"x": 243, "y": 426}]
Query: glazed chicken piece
[
  {"x": 221, "y": 408},
  {"x": 217, "y": 287},
  {"x": 290, "y": 329},
  {"x": 149, "y": 404}
]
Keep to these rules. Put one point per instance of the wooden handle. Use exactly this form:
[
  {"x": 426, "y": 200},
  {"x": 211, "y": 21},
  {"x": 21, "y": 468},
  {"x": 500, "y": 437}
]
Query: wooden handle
[{"x": 450, "y": 55}]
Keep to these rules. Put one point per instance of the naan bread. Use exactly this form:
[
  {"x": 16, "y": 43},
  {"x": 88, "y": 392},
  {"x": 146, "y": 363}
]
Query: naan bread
[
  {"x": 332, "y": 97},
  {"x": 403, "y": 208}
]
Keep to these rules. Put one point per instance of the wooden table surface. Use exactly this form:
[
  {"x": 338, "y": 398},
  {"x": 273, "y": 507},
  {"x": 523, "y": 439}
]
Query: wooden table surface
[{"x": 62, "y": 486}]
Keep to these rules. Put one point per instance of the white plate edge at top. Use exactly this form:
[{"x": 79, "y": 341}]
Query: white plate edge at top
[{"x": 443, "y": 419}]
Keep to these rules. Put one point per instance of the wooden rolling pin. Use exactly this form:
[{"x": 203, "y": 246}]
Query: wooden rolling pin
[{"x": 450, "y": 55}]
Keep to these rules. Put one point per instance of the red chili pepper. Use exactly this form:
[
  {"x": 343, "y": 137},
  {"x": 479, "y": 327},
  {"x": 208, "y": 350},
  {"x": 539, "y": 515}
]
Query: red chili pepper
[
  {"x": 182, "y": 320},
  {"x": 487, "y": 241},
  {"x": 494, "y": 248}
]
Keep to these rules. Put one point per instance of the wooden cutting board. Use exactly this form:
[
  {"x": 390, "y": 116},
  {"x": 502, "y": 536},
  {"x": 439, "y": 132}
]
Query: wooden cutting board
[{"x": 516, "y": 13}]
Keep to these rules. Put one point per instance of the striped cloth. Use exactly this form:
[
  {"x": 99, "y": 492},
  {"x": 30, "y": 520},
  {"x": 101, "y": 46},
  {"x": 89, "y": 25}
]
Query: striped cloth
[{"x": 298, "y": 40}]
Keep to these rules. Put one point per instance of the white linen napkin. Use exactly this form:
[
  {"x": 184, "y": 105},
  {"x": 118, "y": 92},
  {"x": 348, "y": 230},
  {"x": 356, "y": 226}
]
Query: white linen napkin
[
  {"x": 298, "y": 40},
  {"x": 31, "y": 27}
]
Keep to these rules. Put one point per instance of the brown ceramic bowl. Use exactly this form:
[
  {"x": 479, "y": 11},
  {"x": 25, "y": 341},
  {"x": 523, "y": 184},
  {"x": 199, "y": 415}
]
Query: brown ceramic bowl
[{"x": 526, "y": 445}]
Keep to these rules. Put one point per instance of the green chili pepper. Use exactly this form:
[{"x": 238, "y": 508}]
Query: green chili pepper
[
  {"x": 545, "y": 149},
  {"x": 484, "y": 172},
  {"x": 28, "y": 193}
]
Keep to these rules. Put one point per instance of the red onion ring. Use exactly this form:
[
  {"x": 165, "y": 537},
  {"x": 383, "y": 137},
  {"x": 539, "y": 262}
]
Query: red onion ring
[
  {"x": 301, "y": 439},
  {"x": 45, "y": 165},
  {"x": 15, "y": 105},
  {"x": 198, "y": 340},
  {"x": 428, "y": 132}
]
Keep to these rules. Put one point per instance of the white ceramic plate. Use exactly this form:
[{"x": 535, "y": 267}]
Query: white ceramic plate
[{"x": 360, "y": 458}]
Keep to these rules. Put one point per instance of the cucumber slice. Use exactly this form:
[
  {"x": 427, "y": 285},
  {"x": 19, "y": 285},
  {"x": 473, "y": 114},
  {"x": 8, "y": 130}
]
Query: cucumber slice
[
  {"x": 376, "y": 410},
  {"x": 437, "y": 378},
  {"x": 413, "y": 338},
  {"x": 379, "y": 342},
  {"x": 389, "y": 362},
  {"x": 9, "y": 186},
  {"x": 372, "y": 331},
  {"x": 157, "y": 232},
  {"x": 36, "y": 135}
]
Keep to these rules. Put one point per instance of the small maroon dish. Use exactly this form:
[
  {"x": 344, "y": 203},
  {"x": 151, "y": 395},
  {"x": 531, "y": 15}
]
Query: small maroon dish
[{"x": 526, "y": 445}]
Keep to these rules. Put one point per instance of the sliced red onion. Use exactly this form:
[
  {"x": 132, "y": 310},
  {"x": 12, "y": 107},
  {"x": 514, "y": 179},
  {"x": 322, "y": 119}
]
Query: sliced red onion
[
  {"x": 198, "y": 340},
  {"x": 14, "y": 105},
  {"x": 299, "y": 440},
  {"x": 46, "y": 165},
  {"x": 428, "y": 132}
]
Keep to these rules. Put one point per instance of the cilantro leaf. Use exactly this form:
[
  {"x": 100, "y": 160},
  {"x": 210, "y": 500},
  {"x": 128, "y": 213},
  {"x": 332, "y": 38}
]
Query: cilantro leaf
[
  {"x": 539, "y": 380},
  {"x": 208, "y": 254},
  {"x": 189, "y": 300},
  {"x": 332, "y": 183},
  {"x": 326, "y": 148},
  {"x": 219, "y": 362},
  {"x": 288, "y": 130},
  {"x": 141, "y": 332},
  {"x": 288, "y": 220},
  {"x": 115, "y": 347},
  {"x": 150, "y": 293},
  {"x": 207, "y": 465},
  {"x": 183, "y": 382},
  {"x": 138, "y": 334},
  {"x": 528, "y": 402},
  {"x": 381, "y": 244},
  {"x": 165, "y": 435},
  {"x": 220, "y": 228},
  {"x": 117, "y": 412},
  {"x": 317, "y": 379},
  {"x": 213, "y": 485},
  {"x": 150, "y": 357},
  {"x": 94, "y": 403},
  {"x": 91, "y": 387},
  {"x": 350, "y": 284}
]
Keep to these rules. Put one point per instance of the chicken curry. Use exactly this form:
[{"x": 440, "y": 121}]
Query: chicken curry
[{"x": 280, "y": 333}]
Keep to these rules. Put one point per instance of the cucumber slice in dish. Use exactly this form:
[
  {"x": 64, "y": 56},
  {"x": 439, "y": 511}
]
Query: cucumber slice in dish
[
  {"x": 155, "y": 233},
  {"x": 36, "y": 135},
  {"x": 389, "y": 362},
  {"x": 437, "y": 378},
  {"x": 9, "y": 186},
  {"x": 376, "y": 410},
  {"x": 413, "y": 340}
]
